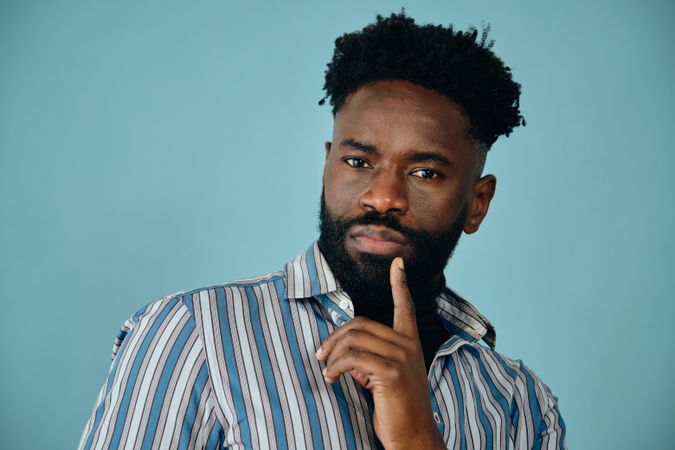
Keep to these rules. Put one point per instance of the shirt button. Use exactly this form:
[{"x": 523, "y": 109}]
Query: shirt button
[{"x": 344, "y": 304}]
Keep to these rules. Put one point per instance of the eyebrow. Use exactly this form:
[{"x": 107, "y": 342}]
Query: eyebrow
[
  {"x": 356, "y": 145},
  {"x": 417, "y": 156},
  {"x": 429, "y": 156}
]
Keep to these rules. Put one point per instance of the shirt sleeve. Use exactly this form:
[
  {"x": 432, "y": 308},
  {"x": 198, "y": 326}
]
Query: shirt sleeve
[
  {"x": 158, "y": 393},
  {"x": 552, "y": 430},
  {"x": 537, "y": 420}
]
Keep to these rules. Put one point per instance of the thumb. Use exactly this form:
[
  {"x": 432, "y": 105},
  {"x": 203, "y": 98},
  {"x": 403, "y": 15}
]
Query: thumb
[{"x": 404, "y": 308}]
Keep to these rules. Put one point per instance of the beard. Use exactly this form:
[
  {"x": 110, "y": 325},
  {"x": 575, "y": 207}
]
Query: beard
[{"x": 365, "y": 276}]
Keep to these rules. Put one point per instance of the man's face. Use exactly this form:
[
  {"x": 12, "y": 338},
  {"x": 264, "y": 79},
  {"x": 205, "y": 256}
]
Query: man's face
[{"x": 401, "y": 179}]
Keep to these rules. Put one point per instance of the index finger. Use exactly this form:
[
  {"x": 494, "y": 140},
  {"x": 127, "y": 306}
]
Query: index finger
[{"x": 404, "y": 308}]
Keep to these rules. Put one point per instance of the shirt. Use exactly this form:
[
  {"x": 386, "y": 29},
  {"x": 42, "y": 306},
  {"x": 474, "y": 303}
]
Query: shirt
[{"x": 233, "y": 366}]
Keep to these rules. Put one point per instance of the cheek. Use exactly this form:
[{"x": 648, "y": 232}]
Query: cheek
[
  {"x": 339, "y": 193},
  {"x": 342, "y": 188},
  {"x": 434, "y": 212},
  {"x": 340, "y": 201}
]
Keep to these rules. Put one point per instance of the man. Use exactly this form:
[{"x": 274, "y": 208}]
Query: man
[{"x": 357, "y": 343}]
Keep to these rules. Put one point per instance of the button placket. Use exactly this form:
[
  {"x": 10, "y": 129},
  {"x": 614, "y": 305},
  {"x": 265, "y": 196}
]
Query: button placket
[{"x": 345, "y": 303}]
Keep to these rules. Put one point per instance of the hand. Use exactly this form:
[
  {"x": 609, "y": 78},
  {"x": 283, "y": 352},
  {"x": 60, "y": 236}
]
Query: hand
[{"x": 389, "y": 363}]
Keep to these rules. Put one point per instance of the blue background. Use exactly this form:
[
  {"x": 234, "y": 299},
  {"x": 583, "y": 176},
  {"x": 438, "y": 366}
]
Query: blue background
[{"x": 150, "y": 147}]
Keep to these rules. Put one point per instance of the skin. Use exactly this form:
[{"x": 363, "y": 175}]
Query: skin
[{"x": 401, "y": 149}]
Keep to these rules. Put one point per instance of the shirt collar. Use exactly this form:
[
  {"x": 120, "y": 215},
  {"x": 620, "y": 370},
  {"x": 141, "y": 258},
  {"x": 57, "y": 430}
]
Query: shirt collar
[{"x": 309, "y": 276}]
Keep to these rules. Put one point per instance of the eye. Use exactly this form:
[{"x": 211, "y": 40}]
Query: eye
[
  {"x": 427, "y": 174},
  {"x": 357, "y": 163}
]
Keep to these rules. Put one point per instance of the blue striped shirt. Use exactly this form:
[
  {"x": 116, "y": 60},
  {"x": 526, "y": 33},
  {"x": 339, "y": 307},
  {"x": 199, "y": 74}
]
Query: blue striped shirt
[{"x": 233, "y": 366}]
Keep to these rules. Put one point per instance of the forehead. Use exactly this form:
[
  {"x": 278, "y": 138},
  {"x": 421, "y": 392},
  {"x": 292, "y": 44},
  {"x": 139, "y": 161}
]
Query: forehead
[{"x": 400, "y": 111}]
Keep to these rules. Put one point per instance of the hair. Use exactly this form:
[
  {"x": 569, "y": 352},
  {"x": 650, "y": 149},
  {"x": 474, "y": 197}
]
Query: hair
[{"x": 452, "y": 62}]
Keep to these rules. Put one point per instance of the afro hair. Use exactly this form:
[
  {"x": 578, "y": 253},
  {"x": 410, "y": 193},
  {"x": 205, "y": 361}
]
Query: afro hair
[{"x": 457, "y": 64}]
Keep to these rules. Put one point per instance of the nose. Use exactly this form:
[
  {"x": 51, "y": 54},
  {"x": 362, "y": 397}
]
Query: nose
[{"x": 386, "y": 194}]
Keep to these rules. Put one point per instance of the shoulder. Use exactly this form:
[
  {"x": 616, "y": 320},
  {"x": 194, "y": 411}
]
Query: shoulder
[
  {"x": 161, "y": 315},
  {"x": 190, "y": 297},
  {"x": 529, "y": 398},
  {"x": 525, "y": 384},
  {"x": 254, "y": 289}
]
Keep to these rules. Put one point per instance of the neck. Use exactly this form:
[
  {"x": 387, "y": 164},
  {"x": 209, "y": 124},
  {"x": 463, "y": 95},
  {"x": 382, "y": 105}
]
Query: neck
[
  {"x": 431, "y": 332},
  {"x": 423, "y": 295}
]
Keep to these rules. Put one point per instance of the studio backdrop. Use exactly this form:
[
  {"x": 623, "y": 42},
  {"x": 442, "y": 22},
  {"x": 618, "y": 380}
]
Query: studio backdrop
[{"x": 153, "y": 147}]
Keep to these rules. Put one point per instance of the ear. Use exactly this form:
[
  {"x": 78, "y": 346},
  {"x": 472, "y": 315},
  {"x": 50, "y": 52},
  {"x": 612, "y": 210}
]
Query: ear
[{"x": 483, "y": 192}]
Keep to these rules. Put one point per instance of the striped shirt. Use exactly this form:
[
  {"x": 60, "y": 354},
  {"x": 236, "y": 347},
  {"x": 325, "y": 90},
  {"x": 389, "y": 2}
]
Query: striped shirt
[{"x": 233, "y": 366}]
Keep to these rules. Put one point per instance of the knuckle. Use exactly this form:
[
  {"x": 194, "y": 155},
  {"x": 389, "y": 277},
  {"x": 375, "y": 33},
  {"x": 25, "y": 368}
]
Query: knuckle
[
  {"x": 351, "y": 334},
  {"x": 392, "y": 372},
  {"x": 351, "y": 355},
  {"x": 401, "y": 354},
  {"x": 358, "y": 321},
  {"x": 339, "y": 347}
]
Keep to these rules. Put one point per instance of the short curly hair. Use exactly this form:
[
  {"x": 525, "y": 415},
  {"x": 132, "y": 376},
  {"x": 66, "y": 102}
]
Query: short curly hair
[{"x": 453, "y": 63}]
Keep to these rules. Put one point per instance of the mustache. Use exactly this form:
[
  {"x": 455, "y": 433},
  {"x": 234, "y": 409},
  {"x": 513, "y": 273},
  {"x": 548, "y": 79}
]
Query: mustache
[{"x": 375, "y": 218}]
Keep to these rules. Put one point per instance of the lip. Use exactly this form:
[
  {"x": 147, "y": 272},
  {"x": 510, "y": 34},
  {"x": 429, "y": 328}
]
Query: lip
[{"x": 377, "y": 239}]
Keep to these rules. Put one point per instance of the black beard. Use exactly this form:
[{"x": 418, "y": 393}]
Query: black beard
[{"x": 366, "y": 277}]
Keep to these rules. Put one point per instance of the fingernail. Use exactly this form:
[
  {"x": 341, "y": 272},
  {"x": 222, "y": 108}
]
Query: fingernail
[
  {"x": 318, "y": 352},
  {"x": 400, "y": 263},
  {"x": 328, "y": 380}
]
